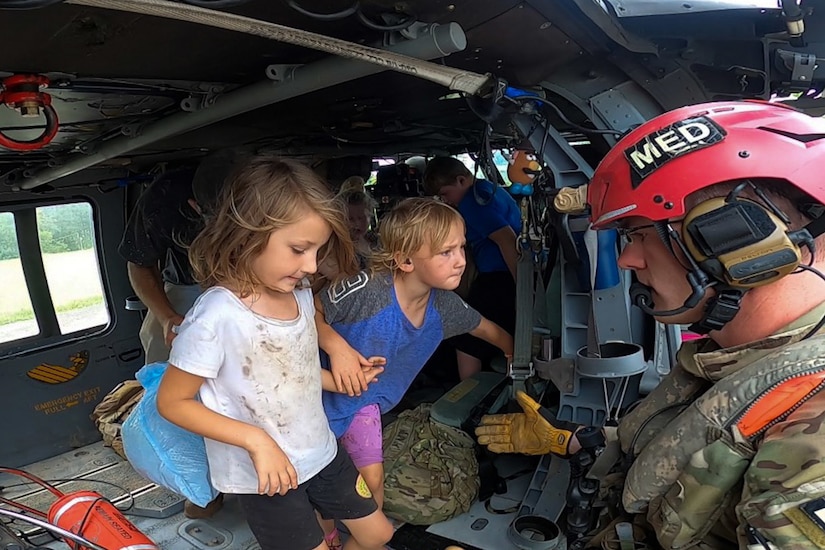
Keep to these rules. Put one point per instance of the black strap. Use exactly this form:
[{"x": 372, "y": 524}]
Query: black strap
[
  {"x": 720, "y": 309},
  {"x": 816, "y": 227}
]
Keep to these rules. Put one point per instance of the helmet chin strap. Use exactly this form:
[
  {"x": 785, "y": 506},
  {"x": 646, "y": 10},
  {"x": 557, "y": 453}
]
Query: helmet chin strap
[{"x": 718, "y": 311}]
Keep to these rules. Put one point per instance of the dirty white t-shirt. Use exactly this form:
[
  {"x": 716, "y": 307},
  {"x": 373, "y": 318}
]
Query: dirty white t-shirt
[{"x": 261, "y": 371}]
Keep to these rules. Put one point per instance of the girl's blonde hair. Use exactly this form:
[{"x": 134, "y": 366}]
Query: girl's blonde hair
[
  {"x": 355, "y": 197},
  {"x": 411, "y": 225},
  {"x": 265, "y": 194}
]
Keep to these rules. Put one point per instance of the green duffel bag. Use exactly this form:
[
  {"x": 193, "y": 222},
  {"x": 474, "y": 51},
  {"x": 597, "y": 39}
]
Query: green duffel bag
[{"x": 430, "y": 469}]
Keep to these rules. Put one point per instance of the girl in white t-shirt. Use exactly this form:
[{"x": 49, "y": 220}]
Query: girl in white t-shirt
[{"x": 244, "y": 370}]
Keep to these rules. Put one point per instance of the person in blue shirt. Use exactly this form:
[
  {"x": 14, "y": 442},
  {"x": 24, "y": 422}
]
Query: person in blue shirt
[
  {"x": 399, "y": 310},
  {"x": 493, "y": 220}
]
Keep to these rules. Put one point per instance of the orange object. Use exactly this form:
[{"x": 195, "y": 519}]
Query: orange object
[
  {"x": 777, "y": 402},
  {"x": 91, "y": 516},
  {"x": 87, "y": 514}
]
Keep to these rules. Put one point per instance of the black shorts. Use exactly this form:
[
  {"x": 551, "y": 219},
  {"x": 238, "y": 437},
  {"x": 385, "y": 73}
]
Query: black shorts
[
  {"x": 289, "y": 522},
  {"x": 494, "y": 296}
]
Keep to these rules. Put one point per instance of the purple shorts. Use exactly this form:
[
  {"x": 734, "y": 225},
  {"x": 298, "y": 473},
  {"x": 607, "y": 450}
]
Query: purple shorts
[{"x": 362, "y": 440}]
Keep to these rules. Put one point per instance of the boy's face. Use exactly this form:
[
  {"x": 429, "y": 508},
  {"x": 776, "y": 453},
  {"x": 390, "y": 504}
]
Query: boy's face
[
  {"x": 358, "y": 221},
  {"x": 442, "y": 268},
  {"x": 453, "y": 193}
]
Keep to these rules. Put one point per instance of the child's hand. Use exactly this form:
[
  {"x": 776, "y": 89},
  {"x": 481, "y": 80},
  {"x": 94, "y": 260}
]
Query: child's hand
[
  {"x": 275, "y": 472},
  {"x": 347, "y": 366},
  {"x": 375, "y": 368}
]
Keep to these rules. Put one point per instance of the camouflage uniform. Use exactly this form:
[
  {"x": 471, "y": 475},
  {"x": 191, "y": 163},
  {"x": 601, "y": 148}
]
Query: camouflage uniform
[{"x": 696, "y": 480}]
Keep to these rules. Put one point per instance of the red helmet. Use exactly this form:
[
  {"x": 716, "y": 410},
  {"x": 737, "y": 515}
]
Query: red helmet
[{"x": 650, "y": 171}]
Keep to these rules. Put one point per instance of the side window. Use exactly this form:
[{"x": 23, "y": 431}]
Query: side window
[
  {"x": 499, "y": 159},
  {"x": 16, "y": 312},
  {"x": 69, "y": 282}
]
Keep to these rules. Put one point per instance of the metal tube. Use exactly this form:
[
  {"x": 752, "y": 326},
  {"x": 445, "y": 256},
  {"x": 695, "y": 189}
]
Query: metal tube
[
  {"x": 455, "y": 79},
  {"x": 53, "y": 528},
  {"x": 437, "y": 41}
]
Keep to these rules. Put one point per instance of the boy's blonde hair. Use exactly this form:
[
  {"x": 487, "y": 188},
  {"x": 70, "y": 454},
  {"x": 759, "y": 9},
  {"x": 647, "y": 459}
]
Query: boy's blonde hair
[
  {"x": 265, "y": 194},
  {"x": 411, "y": 225}
]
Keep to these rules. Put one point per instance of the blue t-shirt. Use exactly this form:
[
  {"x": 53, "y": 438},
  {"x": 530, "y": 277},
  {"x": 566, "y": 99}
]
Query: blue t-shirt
[
  {"x": 484, "y": 219},
  {"x": 365, "y": 312}
]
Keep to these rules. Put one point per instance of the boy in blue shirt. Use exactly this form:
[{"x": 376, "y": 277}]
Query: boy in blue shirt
[
  {"x": 401, "y": 310},
  {"x": 493, "y": 220}
]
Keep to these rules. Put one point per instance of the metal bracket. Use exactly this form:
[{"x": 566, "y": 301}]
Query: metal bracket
[
  {"x": 131, "y": 130},
  {"x": 88, "y": 147},
  {"x": 415, "y": 30},
  {"x": 190, "y": 104},
  {"x": 801, "y": 65},
  {"x": 561, "y": 372},
  {"x": 804, "y": 65},
  {"x": 279, "y": 72},
  {"x": 203, "y": 535},
  {"x": 201, "y": 101},
  {"x": 521, "y": 372}
]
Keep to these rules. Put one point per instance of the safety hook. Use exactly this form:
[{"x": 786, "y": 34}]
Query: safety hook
[{"x": 23, "y": 93}]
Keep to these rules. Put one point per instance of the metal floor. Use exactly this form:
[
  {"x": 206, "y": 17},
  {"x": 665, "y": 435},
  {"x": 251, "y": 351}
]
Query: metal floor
[
  {"x": 159, "y": 513},
  {"x": 98, "y": 468}
]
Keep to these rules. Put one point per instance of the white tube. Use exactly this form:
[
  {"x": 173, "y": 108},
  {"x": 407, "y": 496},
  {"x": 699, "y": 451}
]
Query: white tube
[
  {"x": 455, "y": 79},
  {"x": 438, "y": 41}
]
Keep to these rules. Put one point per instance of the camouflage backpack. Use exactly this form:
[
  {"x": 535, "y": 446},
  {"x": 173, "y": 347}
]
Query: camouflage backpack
[
  {"x": 430, "y": 469},
  {"x": 110, "y": 413}
]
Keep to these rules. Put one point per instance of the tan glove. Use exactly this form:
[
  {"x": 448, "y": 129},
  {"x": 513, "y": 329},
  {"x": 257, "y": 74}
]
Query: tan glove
[{"x": 528, "y": 433}]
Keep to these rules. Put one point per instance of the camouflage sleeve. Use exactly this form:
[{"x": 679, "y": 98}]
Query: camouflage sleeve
[{"x": 787, "y": 472}]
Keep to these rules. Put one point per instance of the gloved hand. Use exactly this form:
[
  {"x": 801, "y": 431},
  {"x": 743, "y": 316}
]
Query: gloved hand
[{"x": 533, "y": 432}]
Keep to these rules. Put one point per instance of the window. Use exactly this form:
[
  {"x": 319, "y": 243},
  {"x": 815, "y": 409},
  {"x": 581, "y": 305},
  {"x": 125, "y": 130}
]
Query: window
[
  {"x": 66, "y": 237},
  {"x": 69, "y": 271},
  {"x": 377, "y": 163},
  {"x": 16, "y": 312},
  {"x": 499, "y": 159}
]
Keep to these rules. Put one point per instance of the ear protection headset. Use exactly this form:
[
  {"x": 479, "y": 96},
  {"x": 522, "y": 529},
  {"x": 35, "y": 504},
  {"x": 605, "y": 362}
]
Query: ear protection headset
[
  {"x": 733, "y": 244},
  {"x": 741, "y": 242}
]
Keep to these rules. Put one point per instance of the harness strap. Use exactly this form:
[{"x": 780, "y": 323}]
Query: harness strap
[{"x": 522, "y": 366}]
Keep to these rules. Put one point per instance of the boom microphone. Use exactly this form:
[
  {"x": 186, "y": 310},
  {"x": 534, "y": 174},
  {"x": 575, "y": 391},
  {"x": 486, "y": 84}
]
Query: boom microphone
[{"x": 642, "y": 297}]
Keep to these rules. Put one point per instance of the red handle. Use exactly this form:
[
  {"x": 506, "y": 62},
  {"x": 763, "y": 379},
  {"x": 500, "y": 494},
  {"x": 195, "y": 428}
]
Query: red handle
[{"x": 21, "y": 89}]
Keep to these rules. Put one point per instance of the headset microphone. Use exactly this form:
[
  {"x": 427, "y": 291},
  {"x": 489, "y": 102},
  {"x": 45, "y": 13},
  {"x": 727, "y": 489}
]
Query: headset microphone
[{"x": 642, "y": 298}]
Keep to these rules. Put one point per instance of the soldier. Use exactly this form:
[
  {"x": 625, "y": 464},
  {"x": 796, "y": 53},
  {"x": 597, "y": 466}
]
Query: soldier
[
  {"x": 720, "y": 205},
  {"x": 169, "y": 214}
]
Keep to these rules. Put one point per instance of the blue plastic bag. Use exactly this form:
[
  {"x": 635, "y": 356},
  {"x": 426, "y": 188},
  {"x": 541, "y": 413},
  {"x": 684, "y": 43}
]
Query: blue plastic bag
[{"x": 162, "y": 452}]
